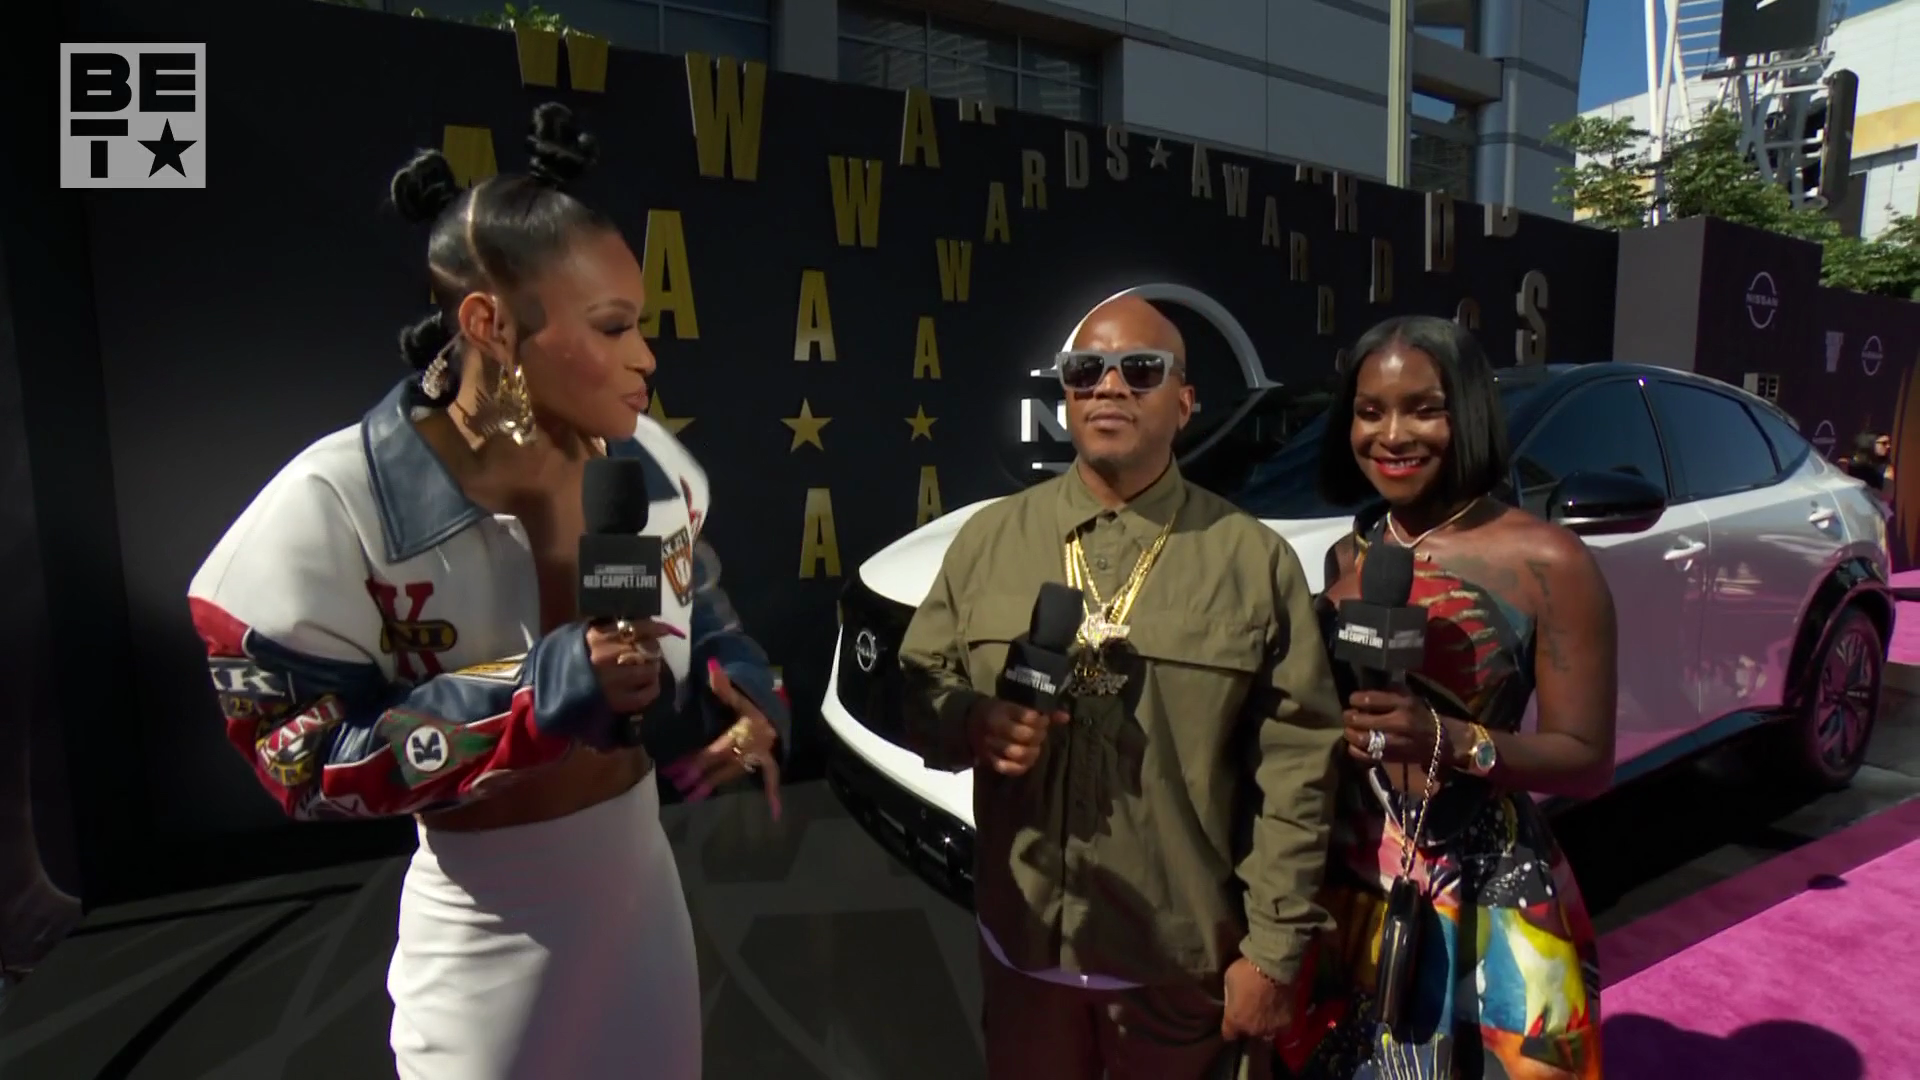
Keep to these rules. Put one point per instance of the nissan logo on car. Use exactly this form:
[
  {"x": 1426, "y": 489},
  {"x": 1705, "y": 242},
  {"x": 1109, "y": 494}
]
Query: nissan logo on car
[
  {"x": 1763, "y": 300},
  {"x": 866, "y": 650}
]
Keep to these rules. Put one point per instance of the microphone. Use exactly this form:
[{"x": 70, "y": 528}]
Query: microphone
[
  {"x": 619, "y": 568},
  {"x": 1037, "y": 665},
  {"x": 1380, "y": 635}
]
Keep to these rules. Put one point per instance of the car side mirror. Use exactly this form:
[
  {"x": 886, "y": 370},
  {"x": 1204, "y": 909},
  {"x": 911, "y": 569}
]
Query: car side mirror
[{"x": 1605, "y": 503}]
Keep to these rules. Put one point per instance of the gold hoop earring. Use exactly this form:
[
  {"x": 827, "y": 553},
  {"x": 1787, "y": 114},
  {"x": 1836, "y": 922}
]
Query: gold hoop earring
[{"x": 506, "y": 409}]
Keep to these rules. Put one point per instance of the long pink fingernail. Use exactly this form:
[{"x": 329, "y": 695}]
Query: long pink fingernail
[{"x": 714, "y": 668}]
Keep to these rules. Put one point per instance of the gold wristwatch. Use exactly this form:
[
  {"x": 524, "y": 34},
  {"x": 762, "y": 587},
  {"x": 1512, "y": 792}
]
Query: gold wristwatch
[{"x": 1483, "y": 755}]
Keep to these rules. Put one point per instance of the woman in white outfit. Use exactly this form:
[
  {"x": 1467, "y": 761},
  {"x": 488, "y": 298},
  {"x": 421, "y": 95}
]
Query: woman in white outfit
[{"x": 391, "y": 629}]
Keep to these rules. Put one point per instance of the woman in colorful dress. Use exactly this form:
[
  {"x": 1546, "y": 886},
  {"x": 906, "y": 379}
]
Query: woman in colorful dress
[{"x": 1502, "y": 980}]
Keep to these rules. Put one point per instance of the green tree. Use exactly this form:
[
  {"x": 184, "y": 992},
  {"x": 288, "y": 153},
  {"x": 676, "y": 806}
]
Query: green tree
[
  {"x": 1888, "y": 264},
  {"x": 1612, "y": 189},
  {"x": 1707, "y": 173},
  {"x": 506, "y": 18},
  {"x": 509, "y": 17}
]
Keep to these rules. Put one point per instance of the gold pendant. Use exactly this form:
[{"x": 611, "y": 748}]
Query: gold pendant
[
  {"x": 1097, "y": 631},
  {"x": 1094, "y": 674}
]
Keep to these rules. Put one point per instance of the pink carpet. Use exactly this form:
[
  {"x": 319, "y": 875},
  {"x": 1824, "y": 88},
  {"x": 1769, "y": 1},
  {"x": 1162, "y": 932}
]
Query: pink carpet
[{"x": 1821, "y": 986}]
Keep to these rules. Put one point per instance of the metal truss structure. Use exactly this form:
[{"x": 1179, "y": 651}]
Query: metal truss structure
[{"x": 1775, "y": 94}]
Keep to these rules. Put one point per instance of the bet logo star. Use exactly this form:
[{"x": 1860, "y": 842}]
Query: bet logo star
[{"x": 166, "y": 151}]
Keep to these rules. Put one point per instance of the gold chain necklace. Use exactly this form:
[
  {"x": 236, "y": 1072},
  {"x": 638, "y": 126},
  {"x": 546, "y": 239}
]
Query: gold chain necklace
[
  {"x": 1105, "y": 622},
  {"x": 1399, "y": 537},
  {"x": 1080, "y": 576}
]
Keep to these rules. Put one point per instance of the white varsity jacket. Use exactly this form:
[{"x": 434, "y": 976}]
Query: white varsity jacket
[{"x": 374, "y": 639}]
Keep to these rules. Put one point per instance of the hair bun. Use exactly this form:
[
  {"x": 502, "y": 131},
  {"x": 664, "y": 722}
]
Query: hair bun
[
  {"x": 561, "y": 151},
  {"x": 423, "y": 342},
  {"x": 424, "y": 187}
]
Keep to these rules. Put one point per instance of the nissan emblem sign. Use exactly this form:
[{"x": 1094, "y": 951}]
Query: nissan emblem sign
[
  {"x": 1763, "y": 300},
  {"x": 1824, "y": 438},
  {"x": 866, "y": 650}
]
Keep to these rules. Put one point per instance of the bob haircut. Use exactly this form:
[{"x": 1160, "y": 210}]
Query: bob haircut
[{"x": 1477, "y": 456}]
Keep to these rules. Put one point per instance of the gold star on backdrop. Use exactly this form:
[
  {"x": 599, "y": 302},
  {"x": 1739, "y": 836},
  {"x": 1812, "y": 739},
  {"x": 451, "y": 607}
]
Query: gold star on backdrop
[
  {"x": 921, "y": 423},
  {"x": 1158, "y": 155},
  {"x": 806, "y": 427},
  {"x": 674, "y": 424}
]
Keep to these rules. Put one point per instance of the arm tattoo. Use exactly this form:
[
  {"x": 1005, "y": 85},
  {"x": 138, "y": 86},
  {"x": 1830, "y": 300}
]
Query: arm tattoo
[
  {"x": 1496, "y": 577},
  {"x": 1550, "y": 636}
]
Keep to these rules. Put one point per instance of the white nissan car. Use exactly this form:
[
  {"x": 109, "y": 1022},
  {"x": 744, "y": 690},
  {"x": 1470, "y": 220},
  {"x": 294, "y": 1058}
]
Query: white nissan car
[{"x": 1749, "y": 573}]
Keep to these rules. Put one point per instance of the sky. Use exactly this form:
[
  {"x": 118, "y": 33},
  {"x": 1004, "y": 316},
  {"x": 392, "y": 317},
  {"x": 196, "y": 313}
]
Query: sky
[{"x": 1615, "y": 65}]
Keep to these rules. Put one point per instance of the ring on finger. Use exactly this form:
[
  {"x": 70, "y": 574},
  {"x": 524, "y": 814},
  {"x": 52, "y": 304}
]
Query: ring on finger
[
  {"x": 748, "y": 759},
  {"x": 624, "y": 630},
  {"x": 1377, "y": 745},
  {"x": 741, "y": 735}
]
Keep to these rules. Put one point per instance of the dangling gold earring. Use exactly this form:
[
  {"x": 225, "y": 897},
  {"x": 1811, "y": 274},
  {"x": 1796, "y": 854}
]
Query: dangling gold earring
[{"x": 506, "y": 409}]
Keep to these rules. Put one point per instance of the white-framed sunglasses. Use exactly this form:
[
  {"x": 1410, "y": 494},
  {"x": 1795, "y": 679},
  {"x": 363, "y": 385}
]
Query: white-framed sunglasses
[{"x": 1141, "y": 369}]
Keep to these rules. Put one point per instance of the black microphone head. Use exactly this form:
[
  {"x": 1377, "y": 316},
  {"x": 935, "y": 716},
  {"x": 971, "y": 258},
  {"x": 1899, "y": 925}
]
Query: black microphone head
[
  {"x": 1386, "y": 575},
  {"x": 614, "y": 494},
  {"x": 1057, "y": 614}
]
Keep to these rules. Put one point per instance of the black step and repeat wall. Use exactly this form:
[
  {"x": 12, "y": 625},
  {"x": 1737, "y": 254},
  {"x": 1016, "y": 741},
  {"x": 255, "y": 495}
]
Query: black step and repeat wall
[{"x": 850, "y": 289}]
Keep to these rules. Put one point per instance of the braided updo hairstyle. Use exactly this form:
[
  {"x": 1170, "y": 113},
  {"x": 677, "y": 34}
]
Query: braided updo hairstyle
[{"x": 496, "y": 236}]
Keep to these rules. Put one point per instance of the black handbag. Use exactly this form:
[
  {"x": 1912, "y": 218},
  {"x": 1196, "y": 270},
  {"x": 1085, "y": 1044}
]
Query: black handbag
[{"x": 1399, "y": 947}]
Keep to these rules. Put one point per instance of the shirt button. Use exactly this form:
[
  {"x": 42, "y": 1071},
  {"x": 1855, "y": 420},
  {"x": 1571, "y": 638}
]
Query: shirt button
[{"x": 1100, "y": 563}]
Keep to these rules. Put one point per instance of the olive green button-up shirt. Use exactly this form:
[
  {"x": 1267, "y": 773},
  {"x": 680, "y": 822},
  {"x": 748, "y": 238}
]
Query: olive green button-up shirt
[{"x": 1183, "y": 822}]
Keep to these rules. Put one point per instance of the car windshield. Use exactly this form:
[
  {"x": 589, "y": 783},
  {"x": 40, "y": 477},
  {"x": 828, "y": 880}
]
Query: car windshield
[{"x": 1286, "y": 486}]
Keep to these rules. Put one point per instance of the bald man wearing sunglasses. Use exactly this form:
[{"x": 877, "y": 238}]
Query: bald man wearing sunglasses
[{"x": 1146, "y": 859}]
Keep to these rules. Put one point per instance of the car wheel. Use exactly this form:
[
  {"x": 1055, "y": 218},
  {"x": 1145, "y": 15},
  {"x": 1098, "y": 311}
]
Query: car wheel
[{"x": 1828, "y": 740}]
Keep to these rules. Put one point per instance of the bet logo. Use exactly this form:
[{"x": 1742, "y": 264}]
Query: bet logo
[{"x": 133, "y": 116}]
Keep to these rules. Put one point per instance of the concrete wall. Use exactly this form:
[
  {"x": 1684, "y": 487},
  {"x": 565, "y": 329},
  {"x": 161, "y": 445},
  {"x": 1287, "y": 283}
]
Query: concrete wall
[{"x": 1538, "y": 44}]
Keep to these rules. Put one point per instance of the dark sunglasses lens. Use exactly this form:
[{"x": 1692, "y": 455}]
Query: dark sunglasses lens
[
  {"x": 1081, "y": 371},
  {"x": 1142, "y": 371}
]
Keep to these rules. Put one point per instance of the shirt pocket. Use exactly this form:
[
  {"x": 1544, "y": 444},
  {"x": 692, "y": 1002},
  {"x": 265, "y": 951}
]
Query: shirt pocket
[
  {"x": 1199, "y": 672},
  {"x": 987, "y": 626}
]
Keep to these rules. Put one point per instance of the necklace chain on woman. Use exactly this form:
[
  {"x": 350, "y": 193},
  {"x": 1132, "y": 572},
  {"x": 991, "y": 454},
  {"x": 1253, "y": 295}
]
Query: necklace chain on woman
[
  {"x": 1399, "y": 537},
  {"x": 1410, "y": 837},
  {"x": 1410, "y": 843}
]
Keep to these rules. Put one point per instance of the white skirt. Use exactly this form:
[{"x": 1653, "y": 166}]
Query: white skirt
[{"x": 560, "y": 950}]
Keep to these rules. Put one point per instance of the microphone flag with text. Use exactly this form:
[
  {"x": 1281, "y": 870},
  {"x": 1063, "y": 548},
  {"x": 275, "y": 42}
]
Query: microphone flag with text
[
  {"x": 1380, "y": 635},
  {"x": 1039, "y": 661},
  {"x": 619, "y": 568}
]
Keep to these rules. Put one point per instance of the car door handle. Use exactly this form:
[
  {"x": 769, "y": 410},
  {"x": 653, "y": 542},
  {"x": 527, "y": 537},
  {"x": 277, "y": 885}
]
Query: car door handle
[
  {"x": 1820, "y": 516},
  {"x": 1687, "y": 550}
]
